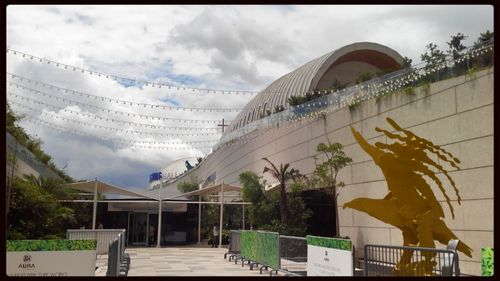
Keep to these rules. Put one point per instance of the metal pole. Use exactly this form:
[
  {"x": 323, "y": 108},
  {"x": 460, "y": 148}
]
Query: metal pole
[
  {"x": 243, "y": 216},
  {"x": 94, "y": 213},
  {"x": 221, "y": 212},
  {"x": 199, "y": 219},
  {"x": 159, "y": 218}
]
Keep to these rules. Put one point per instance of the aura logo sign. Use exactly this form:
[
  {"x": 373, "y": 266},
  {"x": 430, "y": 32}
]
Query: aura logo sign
[{"x": 27, "y": 263}]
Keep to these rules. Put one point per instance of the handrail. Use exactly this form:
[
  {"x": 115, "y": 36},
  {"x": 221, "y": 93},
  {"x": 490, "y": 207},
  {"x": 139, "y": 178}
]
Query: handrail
[{"x": 363, "y": 91}]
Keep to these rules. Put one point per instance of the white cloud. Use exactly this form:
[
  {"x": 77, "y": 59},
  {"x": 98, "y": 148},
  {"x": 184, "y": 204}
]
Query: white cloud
[{"x": 221, "y": 47}]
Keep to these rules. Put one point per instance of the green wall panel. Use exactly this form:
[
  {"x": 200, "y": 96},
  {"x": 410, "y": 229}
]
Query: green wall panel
[
  {"x": 327, "y": 242},
  {"x": 261, "y": 247},
  {"x": 51, "y": 245},
  {"x": 487, "y": 262}
]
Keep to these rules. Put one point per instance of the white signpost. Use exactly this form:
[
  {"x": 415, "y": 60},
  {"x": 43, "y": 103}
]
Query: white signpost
[
  {"x": 329, "y": 256},
  {"x": 51, "y": 263},
  {"x": 51, "y": 257}
]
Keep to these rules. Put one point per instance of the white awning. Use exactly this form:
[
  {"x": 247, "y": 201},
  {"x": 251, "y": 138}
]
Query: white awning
[
  {"x": 103, "y": 187},
  {"x": 208, "y": 190}
]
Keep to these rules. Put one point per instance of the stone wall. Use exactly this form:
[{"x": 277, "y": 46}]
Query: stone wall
[{"x": 456, "y": 114}]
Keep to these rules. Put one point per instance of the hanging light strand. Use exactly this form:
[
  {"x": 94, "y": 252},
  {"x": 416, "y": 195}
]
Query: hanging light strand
[
  {"x": 55, "y": 116},
  {"x": 119, "y": 140},
  {"x": 117, "y": 112},
  {"x": 101, "y": 118},
  {"x": 126, "y": 79},
  {"x": 118, "y": 101}
]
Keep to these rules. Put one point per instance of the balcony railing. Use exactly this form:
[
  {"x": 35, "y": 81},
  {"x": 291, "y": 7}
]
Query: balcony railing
[{"x": 412, "y": 76}]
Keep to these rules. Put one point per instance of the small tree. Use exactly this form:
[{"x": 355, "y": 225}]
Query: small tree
[
  {"x": 265, "y": 208},
  {"x": 456, "y": 45},
  {"x": 325, "y": 173},
  {"x": 188, "y": 186},
  {"x": 406, "y": 62},
  {"x": 337, "y": 86},
  {"x": 487, "y": 58},
  {"x": 484, "y": 38},
  {"x": 283, "y": 175},
  {"x": 433, "y": 57}
]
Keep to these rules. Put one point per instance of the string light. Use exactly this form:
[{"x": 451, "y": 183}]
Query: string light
[
  {"x": 359, "y": 92},
  {"x": 392, "y": 84},
  {"x": 116, "y": 140},
  {"x": 130, "y": 80},
  {"x": 117, "y": 112},
  {"x": 118, "y": 101},
  {"x": 109, "y": 128},
  {"x": 98, "y": 117}
]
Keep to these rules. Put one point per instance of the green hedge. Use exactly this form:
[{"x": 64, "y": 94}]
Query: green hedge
[
  {"x": 51, "y": 245},
  {"x": 487, "y": 262},
  {"x": 335, "y": 243},
  {"x": 261, "y": 247}
]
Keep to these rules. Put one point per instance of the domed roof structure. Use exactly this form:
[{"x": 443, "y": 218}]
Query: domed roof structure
[
  {"x": 177, "y": 167},
  {"x": 343, "y": 65}
]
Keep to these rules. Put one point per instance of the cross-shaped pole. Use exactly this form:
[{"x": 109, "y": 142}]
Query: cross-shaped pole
[{"x": 222, "y": 125}]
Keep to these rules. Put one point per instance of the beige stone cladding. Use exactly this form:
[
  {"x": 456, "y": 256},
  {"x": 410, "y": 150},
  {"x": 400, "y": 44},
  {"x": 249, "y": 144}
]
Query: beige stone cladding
[{"x": 456, "y": 114}]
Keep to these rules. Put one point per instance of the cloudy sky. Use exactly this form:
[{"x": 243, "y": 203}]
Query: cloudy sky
[{"x": 231, "y": 48}]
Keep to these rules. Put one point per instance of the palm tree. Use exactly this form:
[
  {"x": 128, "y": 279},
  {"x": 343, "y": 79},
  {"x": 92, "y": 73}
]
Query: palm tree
[
  {"x": 283, "y": 174},
  {"x": 51, "y": 185}
]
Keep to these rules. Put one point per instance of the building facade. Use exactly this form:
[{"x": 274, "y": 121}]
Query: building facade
[{"x": 454, "y": 113}]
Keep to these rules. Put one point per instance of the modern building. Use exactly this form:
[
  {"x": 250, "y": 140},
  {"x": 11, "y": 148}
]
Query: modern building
[
  {"x": 172, "y": 170},
  {"x": 455, "y": 113}
]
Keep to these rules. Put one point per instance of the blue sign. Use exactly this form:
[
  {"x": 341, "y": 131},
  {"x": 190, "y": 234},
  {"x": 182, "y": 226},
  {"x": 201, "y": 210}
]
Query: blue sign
[{"x": 155, "y": 176}]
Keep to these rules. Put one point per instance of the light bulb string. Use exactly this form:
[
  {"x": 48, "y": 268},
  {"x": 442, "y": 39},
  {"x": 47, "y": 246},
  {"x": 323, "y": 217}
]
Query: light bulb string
[
  {"x": 99, "y": 117},
  {"x": 127, "y": 141},
  {"x": 105, "y": 127},
  {"x": 117, "y": 144},
  {"x": 117, "y": 77},
  {"x": 117, "y": 112},
  {"x": 118, "y": 101}
]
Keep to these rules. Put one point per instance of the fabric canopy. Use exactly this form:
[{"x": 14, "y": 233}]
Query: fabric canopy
[
  {"x": 208, "y": 190},
  {"x": 103, "y": 187}
]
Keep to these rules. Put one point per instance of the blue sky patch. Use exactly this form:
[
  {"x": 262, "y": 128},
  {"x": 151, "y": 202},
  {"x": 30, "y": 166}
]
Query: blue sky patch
[{"x": 165, "y": 71}]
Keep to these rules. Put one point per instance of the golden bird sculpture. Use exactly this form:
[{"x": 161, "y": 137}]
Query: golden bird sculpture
[{"x": 410, "y": 204}]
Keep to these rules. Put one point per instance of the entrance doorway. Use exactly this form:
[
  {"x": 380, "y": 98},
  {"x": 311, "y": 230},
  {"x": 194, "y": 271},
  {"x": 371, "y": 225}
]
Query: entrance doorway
[{"x": 138, "y": 228}]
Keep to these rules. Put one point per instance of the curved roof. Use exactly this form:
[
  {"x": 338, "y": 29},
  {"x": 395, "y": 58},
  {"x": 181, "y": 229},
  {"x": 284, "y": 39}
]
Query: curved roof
[
  {"x": 307, "y": 77},
  {"x": 179, "y": 164}
]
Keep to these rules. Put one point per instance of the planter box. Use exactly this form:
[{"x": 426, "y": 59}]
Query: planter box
[{"x": 51, "y": 257}]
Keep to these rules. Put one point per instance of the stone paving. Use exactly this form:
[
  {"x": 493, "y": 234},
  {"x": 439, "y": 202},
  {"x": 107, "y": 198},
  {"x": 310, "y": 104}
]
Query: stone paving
[{"x": 180, "y": 261}]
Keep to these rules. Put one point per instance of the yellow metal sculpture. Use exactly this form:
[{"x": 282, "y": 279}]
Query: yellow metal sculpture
[{"x": 410, "y": 204}]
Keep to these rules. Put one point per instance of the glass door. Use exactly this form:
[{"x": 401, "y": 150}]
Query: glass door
[{"x": 139, "y": 228}]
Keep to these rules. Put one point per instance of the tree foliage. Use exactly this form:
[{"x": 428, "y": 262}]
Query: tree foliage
[
  {"x": 433, "y": 56},
  {"x": 264, "y": 213},
  {"x": 283, "y": 174},
  {"x": 35, "y": 212},
  {"x": 32, "y": 144},
  {"x": 456, "y": 45},
  {"x": 484, "y": 38},
  {"x": 325, "y": 173},
  {"x": 484, "y": 59},
  {"x": 188, "y": 186}
]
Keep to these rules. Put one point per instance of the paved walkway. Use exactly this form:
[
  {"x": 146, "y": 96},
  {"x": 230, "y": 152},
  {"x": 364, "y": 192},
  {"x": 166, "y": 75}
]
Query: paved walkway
[{"x": 180, "y": 261}]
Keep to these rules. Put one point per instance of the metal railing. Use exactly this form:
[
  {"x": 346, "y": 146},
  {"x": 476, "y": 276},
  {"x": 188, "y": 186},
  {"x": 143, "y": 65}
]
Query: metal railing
[
  {"x": 385, "y": 260},
  {"x": 293, "y": 254},
  {"x": 381, "y": 85},
  {"x": 103, "y": 237},
  {"x": 118, "y": 261},
  {"x": 234, "y": 245}
]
